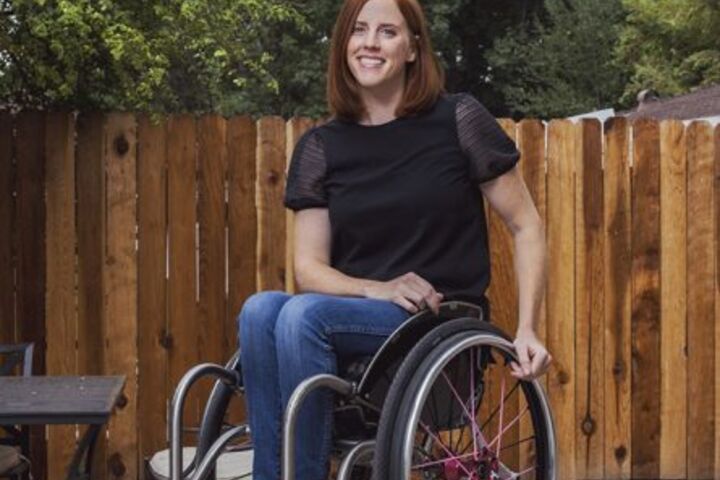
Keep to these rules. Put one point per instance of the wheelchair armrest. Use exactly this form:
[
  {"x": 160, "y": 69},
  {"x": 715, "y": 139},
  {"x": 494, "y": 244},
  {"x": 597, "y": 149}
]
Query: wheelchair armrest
[{"x": 228, "y": 376}]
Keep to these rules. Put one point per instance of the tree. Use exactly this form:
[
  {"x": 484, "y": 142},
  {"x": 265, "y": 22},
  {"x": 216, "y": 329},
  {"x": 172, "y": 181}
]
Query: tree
[
  {"x": 165, "y": 55},
  {"x": 672, "y": 45},
  {"x": 461, "y": 32},
  {"x": 564, "y": 63}
]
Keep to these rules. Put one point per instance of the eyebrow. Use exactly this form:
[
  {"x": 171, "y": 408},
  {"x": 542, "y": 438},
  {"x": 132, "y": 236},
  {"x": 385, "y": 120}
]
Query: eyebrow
[{"x": 382, "y": 24}]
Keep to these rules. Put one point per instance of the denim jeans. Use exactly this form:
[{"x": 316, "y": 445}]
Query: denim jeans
[{"x": 285, "y": 339}]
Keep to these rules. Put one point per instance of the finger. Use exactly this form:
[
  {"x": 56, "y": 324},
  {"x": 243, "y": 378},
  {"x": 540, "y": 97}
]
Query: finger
[
  {"x": 432, "y": 297},
  {"x": 411, "y": 292},
  {"x": 538, "y": 361},
  {"x": 522, "y": 352},
  {"x": 406, "y": 304}
]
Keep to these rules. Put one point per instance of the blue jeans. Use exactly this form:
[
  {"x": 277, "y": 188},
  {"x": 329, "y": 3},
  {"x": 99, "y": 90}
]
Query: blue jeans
[{"x": 285, "y": 339}]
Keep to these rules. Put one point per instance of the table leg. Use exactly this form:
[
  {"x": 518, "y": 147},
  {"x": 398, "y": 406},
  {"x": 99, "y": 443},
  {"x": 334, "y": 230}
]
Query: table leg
[{"x": 85, "y": 449}]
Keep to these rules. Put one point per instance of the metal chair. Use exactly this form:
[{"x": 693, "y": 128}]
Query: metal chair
[{"x": 15, "y": 359}]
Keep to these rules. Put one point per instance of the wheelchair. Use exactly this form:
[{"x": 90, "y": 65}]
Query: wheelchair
[{"x": 436, "y": 401}]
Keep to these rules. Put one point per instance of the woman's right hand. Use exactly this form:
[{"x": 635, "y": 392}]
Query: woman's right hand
[{"x": 410, "y": 291}]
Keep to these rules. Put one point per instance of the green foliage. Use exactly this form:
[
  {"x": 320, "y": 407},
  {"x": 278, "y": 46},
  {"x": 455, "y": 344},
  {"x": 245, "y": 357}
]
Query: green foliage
[
  {"x": 672, "y": 45},
  {"x": 165, "y": 55},
  {"x": 563, "y": 64}
]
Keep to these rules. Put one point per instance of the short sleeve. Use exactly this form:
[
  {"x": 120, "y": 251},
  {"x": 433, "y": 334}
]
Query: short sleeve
[
  {"x": 489, "y": 149},
  {"x": 306, "y": 178}
]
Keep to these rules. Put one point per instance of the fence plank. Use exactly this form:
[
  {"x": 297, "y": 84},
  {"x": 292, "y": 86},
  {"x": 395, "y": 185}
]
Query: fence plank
[
  {"x": 242, "y": 226},
  {"x": 269, "y": 197},
  {"x": 60, "y": 322},
  {"x": 531, "y": 142},
  {"x": 242, "y": 221},
  {"x": 7, "y": 205},
  {"x": 589, "y": 302},
  {"x": 215, "y": 333},
  {"x": 700, "y": 301},
  {"x": 90, "y": 179},
  {"x": 182, "y": 219},
  {"x": 152, "y": 285},
  {"x": 120, "y": 284},
  {"x": 30, "y": 255},
  {"x": 673, "y": 222},
  {"x": 716, "y": 142},
  {"x": 295, "y": 128},
  {"x": 646, "y": 299},
  {"x": 502, "y": 293},
  {"x": 561, "y": 288},
  {"x": 618, "y": 241}
]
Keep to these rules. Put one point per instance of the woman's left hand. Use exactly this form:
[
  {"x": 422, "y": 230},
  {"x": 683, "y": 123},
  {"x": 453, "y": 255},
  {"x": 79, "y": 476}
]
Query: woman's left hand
[{"x": 534, "y": 358}]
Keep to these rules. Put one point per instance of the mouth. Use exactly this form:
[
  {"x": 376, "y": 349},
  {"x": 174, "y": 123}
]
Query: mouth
[{"x": 370, "y": 62}]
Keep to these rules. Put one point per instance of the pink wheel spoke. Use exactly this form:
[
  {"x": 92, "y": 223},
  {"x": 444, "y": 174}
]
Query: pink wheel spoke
[
  {"x": 507, "y": 427},
  {"x": 465, "y": 410},
  {"x": 472, "y": 400},
  {"x": 438, "y": 462},
  {"x": 450, "y": 455},
  {"x": 519, "y": 474},
  {"x": 502, "y": 408}
]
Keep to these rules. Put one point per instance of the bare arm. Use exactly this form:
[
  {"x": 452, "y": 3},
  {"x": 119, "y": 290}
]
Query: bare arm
[
  {"x": 509, "y": 196},
  {"x": 313, "y": 272}
]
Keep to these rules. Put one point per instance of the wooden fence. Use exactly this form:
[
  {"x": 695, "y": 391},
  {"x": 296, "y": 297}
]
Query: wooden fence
[{"x": 129, "y": 246}]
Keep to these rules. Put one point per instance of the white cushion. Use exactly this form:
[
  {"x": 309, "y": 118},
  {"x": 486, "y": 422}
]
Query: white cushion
[{"x": 230, "y": 465}]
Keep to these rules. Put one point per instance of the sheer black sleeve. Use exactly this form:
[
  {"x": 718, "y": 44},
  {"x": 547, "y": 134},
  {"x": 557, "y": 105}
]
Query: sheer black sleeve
[
  {"x": 305, "y": 183},
  {"x": 490, "y": 151}
]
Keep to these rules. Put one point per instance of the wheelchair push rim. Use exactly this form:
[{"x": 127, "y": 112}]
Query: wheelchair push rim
[{"x": 475, "y": 439}]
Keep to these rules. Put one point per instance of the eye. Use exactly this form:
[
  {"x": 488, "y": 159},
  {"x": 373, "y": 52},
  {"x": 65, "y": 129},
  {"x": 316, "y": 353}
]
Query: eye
[
  {"x": 388, "y": 32},
  {"x": 358, "y": 29}
]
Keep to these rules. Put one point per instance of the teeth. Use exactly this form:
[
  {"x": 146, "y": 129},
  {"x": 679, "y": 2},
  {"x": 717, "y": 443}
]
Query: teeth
[{"x": 371, "y": 62}]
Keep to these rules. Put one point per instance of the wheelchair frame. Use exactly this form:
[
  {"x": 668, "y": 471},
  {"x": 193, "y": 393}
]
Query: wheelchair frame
[{"x": 212, "y": 441}]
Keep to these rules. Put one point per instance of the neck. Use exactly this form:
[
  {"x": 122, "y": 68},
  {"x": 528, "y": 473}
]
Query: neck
[{"x": 381, "y": 105}]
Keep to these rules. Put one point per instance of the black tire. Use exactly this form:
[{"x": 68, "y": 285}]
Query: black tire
[
  {"x": 403, "y": 377},
  {"x": 390, "y": 456}
]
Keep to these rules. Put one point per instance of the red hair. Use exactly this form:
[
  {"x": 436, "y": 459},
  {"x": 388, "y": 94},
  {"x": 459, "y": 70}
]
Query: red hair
[{"x": 425, "y": 78}]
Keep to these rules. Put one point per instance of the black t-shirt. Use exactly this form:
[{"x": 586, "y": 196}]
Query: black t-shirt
[{"x": 404, "y": 196}]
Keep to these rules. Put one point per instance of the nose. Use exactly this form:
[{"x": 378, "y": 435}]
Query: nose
[{"x": 370, "y": 40}]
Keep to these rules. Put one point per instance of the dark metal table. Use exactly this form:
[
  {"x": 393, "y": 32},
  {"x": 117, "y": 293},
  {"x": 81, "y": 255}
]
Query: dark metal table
[{"x": 62, "y": 400}]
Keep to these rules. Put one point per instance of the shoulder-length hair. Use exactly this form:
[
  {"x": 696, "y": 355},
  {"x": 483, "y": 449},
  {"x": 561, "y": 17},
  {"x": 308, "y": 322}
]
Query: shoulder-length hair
[{"x": 425, "y": 78}]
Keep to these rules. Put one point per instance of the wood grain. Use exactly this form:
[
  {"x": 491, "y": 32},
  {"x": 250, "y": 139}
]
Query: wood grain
[
  {"x": 61, "y": 320},
  {"x": 90, "y": 224},
  {"x": 646, "y": 300},
  {"x": 618, "y": 306},
  {"x": 673, "y": 266},
  {"x": 182, "y": 281},
  {"x": 30, "y": 254},
  {"x": 152, "y": 284},
  {"x": 269, "y": 200},
  {"x": 531, "y": 143},
  {"x": 589, "y": 302},
  {"x": 215, "y": 333},
  {"x": 120, "y": 290},
  {"x": 561, "y": 289},
  {"x": 242, "y": 227},
  {"x": 716, "y": 143},
  {"x": 700, "y": 301}
]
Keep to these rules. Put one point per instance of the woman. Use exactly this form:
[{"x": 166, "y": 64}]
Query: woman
[{"x": 389, "y": 221}]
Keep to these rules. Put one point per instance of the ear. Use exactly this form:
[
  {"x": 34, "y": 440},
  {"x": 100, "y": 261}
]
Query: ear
[{"x": 411, "y": 56}]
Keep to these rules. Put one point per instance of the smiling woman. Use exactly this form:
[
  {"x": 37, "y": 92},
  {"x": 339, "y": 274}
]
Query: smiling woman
[
  {"x": 393, "y": 40},
  {"x": 389, "y": 222}
]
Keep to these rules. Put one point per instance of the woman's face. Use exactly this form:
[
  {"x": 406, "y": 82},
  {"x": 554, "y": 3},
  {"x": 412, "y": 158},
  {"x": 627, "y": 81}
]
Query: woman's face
[{"x": 380, "y": 46}]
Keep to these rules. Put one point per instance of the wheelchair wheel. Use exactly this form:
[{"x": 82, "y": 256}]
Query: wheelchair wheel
[{"x": 454, "y": 409}]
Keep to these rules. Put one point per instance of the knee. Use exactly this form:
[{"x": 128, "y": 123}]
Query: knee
[
  {"x": 301, "y": 316},
  {"x": 259, "y": 313}
]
